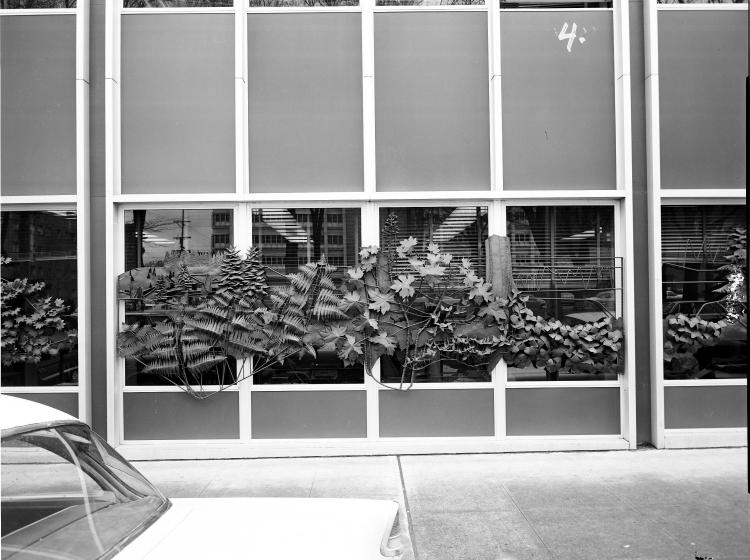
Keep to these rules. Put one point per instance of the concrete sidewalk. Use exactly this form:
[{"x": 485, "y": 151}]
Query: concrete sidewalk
[{"x": 655, "y": 504}]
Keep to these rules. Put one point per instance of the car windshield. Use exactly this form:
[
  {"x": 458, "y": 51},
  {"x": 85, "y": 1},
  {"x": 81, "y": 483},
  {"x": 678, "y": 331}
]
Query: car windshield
[{"x": 66, "y": 494}]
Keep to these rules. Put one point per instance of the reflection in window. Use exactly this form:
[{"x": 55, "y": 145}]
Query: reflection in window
[
  {"x": 36, "y": 4},
  {"x": 156, "y": 243},
  {"x": 41, "y": 247},
  {"x": 176, "y": 3},
  {"x": 563, "y": 259},
  {"x": 460, "y": 231},
  {"x": 302, "y": 3},
  {"x": 704, "y": 267},
  {"x": 288, "y": 238}
]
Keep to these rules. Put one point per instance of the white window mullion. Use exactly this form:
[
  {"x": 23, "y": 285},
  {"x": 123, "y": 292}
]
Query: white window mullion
[
  {"x": 495, "y": 91},
  {"x": 368, "y": 94}
]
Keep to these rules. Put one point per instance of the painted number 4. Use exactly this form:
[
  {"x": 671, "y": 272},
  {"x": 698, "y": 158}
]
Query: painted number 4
[{"x": 571, "y": 37}]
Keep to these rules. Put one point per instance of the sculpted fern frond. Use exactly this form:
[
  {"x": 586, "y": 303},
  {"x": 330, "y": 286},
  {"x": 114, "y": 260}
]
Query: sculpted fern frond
[{"x": 205, "y": 363}]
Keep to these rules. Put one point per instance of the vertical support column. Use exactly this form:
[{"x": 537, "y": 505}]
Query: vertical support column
[
  {"x": 653, "y": 180},
  {"x": 240, "y": 98},
  {"x": 83, "y": 249},
  {"x": 368, "y": 94},
  {"x": 371, "y": 236},
  {"x": 112, "y": 187},
  {"x": 624, "y": 173}
]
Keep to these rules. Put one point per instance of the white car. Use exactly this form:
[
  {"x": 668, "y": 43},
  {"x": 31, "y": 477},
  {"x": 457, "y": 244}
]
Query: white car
[{"x": 66, "y": 494}]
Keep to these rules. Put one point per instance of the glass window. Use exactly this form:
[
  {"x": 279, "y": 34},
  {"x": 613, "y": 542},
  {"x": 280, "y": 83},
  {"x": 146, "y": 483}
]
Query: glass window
[
  {"x": 36, "y": 4},
  {"x": 563, "y": 259},
  {"x": 704, "y": 267},
  {"x": 67, "y": 494},
  {"x": 157, "y": 245},
  {"x": 459, "y": 231},
  {"x": 176, "y": 3},
  {"x": 39, "y": 298},
  {"x": 288, "y": 239}
]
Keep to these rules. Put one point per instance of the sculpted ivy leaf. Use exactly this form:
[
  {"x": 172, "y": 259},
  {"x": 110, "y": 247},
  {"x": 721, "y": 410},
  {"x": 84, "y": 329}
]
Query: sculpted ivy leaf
[
  {"x": 481, "y": 290},
  {"x": 387, "y": 342},
  {"x": 406, "y": 246},
  {"x": 403, "y": 285},
  {"x": 495, "y": 311},
  {"x": 380, "y": 302}
]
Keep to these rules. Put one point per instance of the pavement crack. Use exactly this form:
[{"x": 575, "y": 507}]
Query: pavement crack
[
  {"x": 531, "y": 525},
  {"x": 407, "y": 509}
]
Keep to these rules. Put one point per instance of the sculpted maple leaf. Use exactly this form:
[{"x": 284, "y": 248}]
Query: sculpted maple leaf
[
  {"x": 433, "y": 248},
  {"x": 406, "y": 246},
  {"x": 403, "y": 285},
  {"x": 387, "y": 342},
  {"x": 355, "y": 273},
  {"x": 481, "y": 290},
  {"x": 351, "y": 299},
  {"x": 380, "y": 302}
]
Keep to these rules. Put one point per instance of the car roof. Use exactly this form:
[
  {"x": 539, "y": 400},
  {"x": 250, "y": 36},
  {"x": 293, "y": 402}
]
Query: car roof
[{"x": 16, "y": 412}]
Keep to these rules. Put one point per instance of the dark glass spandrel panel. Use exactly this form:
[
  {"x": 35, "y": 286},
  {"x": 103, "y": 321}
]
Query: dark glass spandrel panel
[
  {"x": 701, "y": 2},
  {"x": 558, "y": 100},
  {"x": 703, "y": 67},
  {"x": 305, "y": 102},
  {"x": 177, "y": 3},
  {"x": 432, "y": 101},
  {"x": 460, "y": 231},
  {"x": 42, "y": 249},
  {"x": 178, "y": 92},
  {"x": 552, "y": 5},
  {"x": 429, "y": 3},
  {"x": 302, "y": 3},
  {"x": 156, "y": 243},
  {"x": 289, "y": 238},
  {"x": 704, "y": 270},
  {"x": 38, "y": 104},
  {"x": 36, "y": 4},
  {"x": 563, "y": 260}
]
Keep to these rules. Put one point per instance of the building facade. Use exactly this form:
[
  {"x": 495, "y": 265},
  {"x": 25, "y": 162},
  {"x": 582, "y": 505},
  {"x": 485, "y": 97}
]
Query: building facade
[{"x": 606, "y": 140}]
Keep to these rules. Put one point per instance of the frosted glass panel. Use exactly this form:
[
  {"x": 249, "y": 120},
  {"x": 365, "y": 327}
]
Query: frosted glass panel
[
  {"x": 37, "y": 105},
  {"x": 558, "y": 100},
  {"x": 702, "y": 98},
  {"x": 178, "y": 103},
  {"x": 431, "y": 101},
  {"x": 305, "y": 102}
]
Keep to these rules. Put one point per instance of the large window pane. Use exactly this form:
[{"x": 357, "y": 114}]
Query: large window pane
[
  {"x": 40, "y": 278},
  {"x": 289, "y": 238},
  {"x": 460, "y": 231},
  {"x": 157, "y": 243},
  {"x": 704, "y": 268},
  {"x": 563, "y": 259}
]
